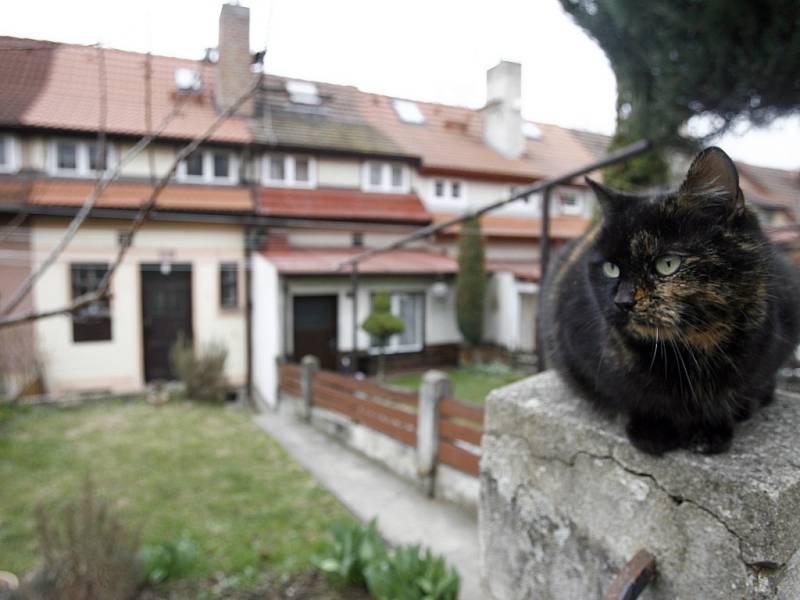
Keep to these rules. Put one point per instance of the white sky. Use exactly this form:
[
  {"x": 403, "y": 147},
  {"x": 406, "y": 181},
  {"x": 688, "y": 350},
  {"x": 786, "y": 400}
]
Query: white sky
[{"x": 436, "y": 50}]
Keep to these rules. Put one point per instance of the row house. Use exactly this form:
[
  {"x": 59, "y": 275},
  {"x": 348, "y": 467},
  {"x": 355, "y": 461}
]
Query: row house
[{"x": 247, "y": 242}]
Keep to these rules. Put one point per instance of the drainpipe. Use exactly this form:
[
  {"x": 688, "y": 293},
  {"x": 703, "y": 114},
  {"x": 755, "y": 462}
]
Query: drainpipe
[{"x": 354, "y": 351}]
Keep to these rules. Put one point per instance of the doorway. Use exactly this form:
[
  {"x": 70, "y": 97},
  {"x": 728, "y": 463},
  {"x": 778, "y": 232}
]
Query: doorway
[
  {"x": 166, "y": 314},
  {"x": 315, "y": 328}
]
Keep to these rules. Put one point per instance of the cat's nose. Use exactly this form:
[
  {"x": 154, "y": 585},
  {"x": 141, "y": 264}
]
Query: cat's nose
[{"x": 624, "y": 296}]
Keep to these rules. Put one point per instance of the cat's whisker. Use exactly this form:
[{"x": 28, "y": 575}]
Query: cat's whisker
[{"x": 655, "y": 349}]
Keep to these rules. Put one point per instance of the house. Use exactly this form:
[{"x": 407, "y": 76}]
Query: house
[{"x": 247, "y": 243}]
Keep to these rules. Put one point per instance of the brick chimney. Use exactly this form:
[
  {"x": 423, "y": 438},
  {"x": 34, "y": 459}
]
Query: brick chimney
[
  {"x": 502, "y": 118},
  {"x": 233, "y": 75}
]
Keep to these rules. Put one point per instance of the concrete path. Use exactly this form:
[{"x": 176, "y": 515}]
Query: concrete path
[{"x": 368, "y": 490}]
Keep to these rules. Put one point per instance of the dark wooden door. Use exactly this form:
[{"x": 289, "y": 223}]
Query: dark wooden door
[
  {"x": 315, "y": 330},
  {"x": 166, "y": 313}
]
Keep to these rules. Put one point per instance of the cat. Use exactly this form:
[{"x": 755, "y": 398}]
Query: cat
[{"x": 674, "y": 310}]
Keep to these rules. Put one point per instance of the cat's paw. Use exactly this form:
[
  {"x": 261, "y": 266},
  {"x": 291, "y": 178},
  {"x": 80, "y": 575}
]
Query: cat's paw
[
  {"x": 653, "y": 436},
  {"x": 712, "y": 439}
]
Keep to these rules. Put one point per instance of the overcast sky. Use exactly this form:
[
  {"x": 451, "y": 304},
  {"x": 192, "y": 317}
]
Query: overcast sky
[{"x": 426, "y": 50}]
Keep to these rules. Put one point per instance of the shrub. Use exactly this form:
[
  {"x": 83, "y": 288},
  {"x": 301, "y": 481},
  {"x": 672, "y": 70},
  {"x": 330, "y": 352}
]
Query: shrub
[
  {"x": 88, "y": 553},
  {"x": 168, "y": 560},
  {"x": 359, "y": 557},
  {"x": 408, "y": 573},
  {"x": 381, "y": 324},
  {"x": 203, "y": 374},
  {"x": 354, "y": 547}
]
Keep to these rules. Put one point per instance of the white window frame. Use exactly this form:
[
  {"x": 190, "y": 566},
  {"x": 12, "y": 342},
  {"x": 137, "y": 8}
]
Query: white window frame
[
  {"x": 394, "y": 346},
  {"x": 81, "y": 157},
  {"x": 12, "y": 152},
  {"x": 385, "y": 186},
  {"x": 578, "y": 209},
  {"x": 288, "y": 180},
  {"x": 448, "y": 189},
  {"x": 208, "y": 168}
]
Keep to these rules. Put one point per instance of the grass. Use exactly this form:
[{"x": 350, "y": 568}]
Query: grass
[
  {"x": 471, "y": 383},
  {"x": 182, "y": 470}
]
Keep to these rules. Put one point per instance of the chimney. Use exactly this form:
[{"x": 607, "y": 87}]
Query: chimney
[
  {"x": 233, "y": 74},
  {"x": 502, "y": 118}
]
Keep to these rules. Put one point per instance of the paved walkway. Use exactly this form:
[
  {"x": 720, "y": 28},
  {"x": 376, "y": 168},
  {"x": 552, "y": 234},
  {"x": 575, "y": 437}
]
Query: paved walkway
[{"x": 368, "y": 490}]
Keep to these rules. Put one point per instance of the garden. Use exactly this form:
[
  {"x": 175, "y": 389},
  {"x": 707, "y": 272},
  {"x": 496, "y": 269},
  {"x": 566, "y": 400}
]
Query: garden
[{"x": 184, "y": 500}]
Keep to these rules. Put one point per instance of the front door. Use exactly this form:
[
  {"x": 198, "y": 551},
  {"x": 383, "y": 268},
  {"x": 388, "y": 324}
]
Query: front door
[
  {"x": 166, "y": 313},
  {"x": 315, "y": 330}
]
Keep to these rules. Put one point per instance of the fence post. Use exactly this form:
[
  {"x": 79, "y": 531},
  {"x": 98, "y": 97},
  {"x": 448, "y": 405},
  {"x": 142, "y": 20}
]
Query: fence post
[
  {"x": 435, "y": 386},
  {"x": 308, "y": 367}
]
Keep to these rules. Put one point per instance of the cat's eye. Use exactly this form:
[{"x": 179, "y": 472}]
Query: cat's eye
[
  {"x": 610, "y": 270},
  {"x": 668, "y": 264}
]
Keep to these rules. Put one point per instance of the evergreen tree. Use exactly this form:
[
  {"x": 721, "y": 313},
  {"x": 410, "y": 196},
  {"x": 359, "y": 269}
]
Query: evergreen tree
[
  {"x": 381, "y": 324},
  {"x": 674, "y": 59},
  {"x": 471, "y": 282}
]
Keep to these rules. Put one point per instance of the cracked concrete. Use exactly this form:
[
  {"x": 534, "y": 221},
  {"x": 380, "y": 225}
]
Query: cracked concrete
[{"x": 566, "y": 501}]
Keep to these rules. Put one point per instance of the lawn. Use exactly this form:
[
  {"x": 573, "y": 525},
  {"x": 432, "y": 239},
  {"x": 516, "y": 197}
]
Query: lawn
[
  {"x": 470, "y": 384},
  {"x": 180, "y": 471}
]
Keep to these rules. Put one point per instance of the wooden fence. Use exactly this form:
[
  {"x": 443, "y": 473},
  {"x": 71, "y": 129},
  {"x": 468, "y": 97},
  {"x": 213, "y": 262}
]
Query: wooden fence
[{"x": 392, "y": 412}]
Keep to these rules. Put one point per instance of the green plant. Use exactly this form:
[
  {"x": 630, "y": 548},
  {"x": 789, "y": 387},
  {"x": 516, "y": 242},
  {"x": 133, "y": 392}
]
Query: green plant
[
  {"x": 203, "y": 374},
  {"x": 89, "y": 554},
  {"x": 381, "y": 324},
  {"x": 354, "y": 546},
  {"x": 408, "y": 573},
  {"x": 471, "y": 282},
  {"x": 168, "y": 560}
]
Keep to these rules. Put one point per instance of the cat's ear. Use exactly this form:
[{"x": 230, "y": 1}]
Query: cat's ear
[
  {"x": 610, "y": 200},
  {"x": 712, "y": 181}
]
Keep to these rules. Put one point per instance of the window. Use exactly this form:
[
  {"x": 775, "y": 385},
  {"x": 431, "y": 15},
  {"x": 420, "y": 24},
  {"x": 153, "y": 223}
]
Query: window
[
  {"x": 448, "y": 189},
  {"x": 209, "y": 166},
  {"x": 303, "y": 92},
  {"x": 385, "y": 177},
  {"x": 289, "y": 170},
  {"x": 408, "y": 112},
  {"x": 358, "y": 239},
  {"x": 410, "y": 307},
  {"x": 9, "y": 154},
  {"x": 79, "y": 158},
  {"x": 92, "y": 323},
  {"x": 228, "y": 285},
  {"x": 571, "y": 202}
]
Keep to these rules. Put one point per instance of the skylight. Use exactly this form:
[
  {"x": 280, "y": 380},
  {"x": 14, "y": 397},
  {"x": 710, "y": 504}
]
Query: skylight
[
  {"x": 531, "y": 131},
  {"x": 303, "y": 92},
  {"x": 408, "y": 112}
]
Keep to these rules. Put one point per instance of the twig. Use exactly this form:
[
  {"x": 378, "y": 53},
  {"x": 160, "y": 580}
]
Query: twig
[{"x": 102, "y": 290}]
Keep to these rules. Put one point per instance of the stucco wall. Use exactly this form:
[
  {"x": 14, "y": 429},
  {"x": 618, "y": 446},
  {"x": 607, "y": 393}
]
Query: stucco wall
[
  {"x": 267, "y": 329},
  {"x": 118, "y": 364}
]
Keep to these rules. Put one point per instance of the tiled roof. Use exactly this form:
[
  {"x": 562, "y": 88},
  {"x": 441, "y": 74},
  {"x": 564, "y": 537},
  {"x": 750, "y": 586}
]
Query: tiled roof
[
  {"x": 451, "y": 140},
  {"x": 343, "y": 205},
  {"x": 201, "y": 198},
  {"x": 770, "y": 186},
  {"x": 57, "y": 86},
  {"x": 561, "y": 227},
  {"x": 325, "y": 261},
  {"x": 336, "y": 124}
]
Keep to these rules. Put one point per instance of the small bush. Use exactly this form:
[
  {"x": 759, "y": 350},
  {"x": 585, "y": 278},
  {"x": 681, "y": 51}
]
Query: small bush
[
  {"x": 354, "y": 547},
  {"x": 88, "y": 553},
  {"x": 408, "y": 573},
  {"x": 168, "y": 560},
  {"x": 359, "y": 557},
  {"x": 203, "y": 374}
]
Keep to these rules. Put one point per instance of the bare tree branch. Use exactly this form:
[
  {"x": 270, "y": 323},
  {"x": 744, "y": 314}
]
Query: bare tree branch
[{"x": 103, "y": 289}]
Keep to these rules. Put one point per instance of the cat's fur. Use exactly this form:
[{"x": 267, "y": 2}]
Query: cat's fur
[{"x": 686, "y": 355}]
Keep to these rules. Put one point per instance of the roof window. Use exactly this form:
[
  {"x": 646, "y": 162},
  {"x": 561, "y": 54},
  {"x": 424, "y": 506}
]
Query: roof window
[
  {"x": 303, "y": 92},
  {"x": 408, "y": 112},
  {"x": 531, "y": 131}
]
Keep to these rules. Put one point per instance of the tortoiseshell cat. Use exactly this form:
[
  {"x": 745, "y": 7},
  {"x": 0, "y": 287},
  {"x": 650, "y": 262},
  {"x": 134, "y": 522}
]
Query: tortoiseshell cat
[{"x": 674, "y": 310}]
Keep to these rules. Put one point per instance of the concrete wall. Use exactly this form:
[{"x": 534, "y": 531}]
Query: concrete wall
[
  {"x": 74, "y": 366},
  {"x": 567, "y": 501}
]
